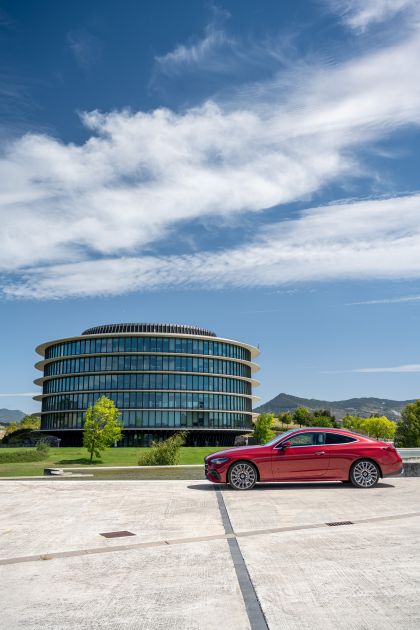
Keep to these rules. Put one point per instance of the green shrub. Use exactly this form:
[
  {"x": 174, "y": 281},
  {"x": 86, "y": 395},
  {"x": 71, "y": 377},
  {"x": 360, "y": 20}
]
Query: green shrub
[
  {"x": 263, "y": 428},
  {"x": 165, "y": 453},
  {"x": 43, "y": 448},
  {"x": 15, "y": 457}
]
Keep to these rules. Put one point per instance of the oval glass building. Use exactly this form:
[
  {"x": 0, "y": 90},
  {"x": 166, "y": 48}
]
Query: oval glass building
[{"x": 162, "y": 377}]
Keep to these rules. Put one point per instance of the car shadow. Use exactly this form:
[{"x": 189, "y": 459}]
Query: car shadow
[{"x": 325, "y": 485}]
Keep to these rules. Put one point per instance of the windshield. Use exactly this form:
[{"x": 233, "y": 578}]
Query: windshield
[{"x": 279, "y": 437}]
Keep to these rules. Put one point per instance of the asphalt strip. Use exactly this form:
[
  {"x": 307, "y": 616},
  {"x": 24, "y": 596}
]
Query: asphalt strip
[{"x": 254, "y": 611}]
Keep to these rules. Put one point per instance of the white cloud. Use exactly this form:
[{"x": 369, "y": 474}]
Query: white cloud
[
  {"x": 357, "y": 240},
  {"x": 201, "y": 54},
  {"x": 396, "y": 300},
  {"x": 23, "y": 395},
  {"x": 414, "y": 367},
  {"x": 205, "y": 53},
  {"x": 63, "y": 207},
  {"x": 360, "y": 14}
]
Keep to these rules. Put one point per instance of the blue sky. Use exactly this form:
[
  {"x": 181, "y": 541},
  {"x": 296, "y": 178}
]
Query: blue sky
[{"x": 246, "y": 167}]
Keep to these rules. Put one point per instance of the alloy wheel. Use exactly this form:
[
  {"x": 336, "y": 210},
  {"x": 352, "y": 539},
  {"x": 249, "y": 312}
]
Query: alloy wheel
[
  {"x": 365, "y": 474},
  {"x": 242, "y": 476}
]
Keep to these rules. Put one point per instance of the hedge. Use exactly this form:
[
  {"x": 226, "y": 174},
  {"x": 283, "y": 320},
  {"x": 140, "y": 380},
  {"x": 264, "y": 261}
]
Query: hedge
[{"x": 30, "y": 455}]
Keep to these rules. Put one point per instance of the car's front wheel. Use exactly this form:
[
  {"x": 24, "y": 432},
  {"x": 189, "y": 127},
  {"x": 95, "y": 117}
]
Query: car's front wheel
[
  {"x": 242, "y": 476},
  {"x": 364, "y": 474}
]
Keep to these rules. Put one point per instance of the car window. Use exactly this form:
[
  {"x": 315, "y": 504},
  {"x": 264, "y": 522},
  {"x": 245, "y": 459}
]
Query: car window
[
  {"x": 279, "y": 438},
  {"x": 337, "y": 438},
  {"x": 307, "y": 439}
]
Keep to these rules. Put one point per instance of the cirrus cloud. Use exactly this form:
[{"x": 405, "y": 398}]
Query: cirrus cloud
[
  {"x": 356, "y": 240},
  {"x": 83, "y": 219},
  {"x": 360, "y": 14}
]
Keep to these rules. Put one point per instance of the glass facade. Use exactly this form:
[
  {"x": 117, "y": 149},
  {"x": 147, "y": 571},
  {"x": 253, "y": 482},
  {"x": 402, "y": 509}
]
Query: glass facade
[
  {"x": 101, "y": 382},
  {"x": 148, "y": 400},
  {"x": 194, "y": 381},
  {"x": 154, "y": 419},
  {"x": 147, "y": 344},
  {"x": 148, "y": 363}
]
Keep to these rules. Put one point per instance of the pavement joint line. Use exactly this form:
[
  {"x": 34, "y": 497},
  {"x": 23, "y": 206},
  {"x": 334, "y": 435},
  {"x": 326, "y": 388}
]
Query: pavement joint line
[
  {"x": 230, "y": 535},
  {"x": 253, "y": 606}
]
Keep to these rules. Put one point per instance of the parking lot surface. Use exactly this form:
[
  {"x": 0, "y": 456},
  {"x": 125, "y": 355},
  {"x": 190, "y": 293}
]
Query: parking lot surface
[{"x": 204, "y": 557}]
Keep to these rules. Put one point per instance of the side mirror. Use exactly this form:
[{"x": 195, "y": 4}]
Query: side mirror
[{"x": 285, "y": 445}]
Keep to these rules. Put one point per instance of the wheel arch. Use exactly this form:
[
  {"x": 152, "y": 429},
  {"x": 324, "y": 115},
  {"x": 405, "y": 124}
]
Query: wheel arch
[
  {"x": 239, "y": 461},
  {"x": 369, "y": 459}
]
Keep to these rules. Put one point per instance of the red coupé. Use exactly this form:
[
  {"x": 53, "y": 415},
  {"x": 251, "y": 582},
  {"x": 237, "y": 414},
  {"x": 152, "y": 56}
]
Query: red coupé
[{"x": 315, "y": 454}]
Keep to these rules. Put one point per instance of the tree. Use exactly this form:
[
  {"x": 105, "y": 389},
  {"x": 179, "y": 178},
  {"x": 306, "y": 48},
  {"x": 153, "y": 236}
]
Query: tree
[
  {"x": 263, "y": 428},
  {"x": 380, "y": 428},
  {"x": 164, "y": 453},
  {"x": 326, "y": 413},
  {"x": 302, "y": 416},
  {"x": 285, "y": 418},
  {"x": 408, "y": 428},
  {"x": 355, "y": 423},
  {"x": 321, "y": 421},
  {"x": 377, "y": 427},
  {"x": 101, "y": 428},
  {"x": 27, "y": 423}
]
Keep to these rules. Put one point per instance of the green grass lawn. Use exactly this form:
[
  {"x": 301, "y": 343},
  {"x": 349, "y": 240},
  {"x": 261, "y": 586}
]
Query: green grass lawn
[{"x": 78, "y": 456}]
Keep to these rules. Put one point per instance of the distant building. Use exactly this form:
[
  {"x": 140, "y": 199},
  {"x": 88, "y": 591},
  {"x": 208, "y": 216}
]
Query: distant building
[{"x": 162, "y": 377}]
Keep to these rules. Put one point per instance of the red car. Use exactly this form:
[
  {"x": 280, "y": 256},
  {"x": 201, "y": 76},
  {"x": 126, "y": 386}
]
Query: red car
[{"x": 316, "y": 454}]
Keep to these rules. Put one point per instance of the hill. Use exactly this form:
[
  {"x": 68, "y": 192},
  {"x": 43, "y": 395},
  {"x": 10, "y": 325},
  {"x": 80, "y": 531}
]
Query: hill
[
  {"x": 364, "y": 407},
  {"x": 11, "y": 415}
]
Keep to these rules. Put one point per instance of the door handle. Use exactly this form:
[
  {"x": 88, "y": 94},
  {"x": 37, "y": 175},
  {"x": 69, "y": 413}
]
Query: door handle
[{"x": 320, "y": 453}]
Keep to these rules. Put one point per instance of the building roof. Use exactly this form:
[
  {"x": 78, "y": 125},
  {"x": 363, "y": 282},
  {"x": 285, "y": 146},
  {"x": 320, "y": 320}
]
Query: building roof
[{"x": 148, "y": 328}]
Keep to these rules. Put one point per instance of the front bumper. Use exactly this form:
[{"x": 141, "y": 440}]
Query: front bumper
[{"x": 216, "y": 474}]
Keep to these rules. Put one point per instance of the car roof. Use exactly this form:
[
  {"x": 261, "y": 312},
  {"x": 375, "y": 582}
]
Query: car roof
[{"x": 332, "y": 430}]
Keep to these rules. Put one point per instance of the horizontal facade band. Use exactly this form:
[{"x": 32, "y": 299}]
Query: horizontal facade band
[
  {"x": 182, "y": 410},
  {"x": 254, "y": 367},
  {"x": 43, "y": 379},
  {"x": 153, "y": 429},
  {"x": 41, "y": 397}
]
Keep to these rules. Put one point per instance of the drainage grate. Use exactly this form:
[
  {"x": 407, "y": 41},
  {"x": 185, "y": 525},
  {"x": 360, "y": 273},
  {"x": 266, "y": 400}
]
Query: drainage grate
[
  {"x": 116, "y": 534},
  {"x": 339, "y": 523}
]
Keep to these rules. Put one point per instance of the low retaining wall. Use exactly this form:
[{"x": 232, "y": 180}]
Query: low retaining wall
[{"x": 411, "y": 468}]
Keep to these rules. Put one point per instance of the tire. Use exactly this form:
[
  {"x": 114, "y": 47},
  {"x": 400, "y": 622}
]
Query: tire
[
  {"x": 364, "y": 474},
  {"x": 242, "y": 476}
]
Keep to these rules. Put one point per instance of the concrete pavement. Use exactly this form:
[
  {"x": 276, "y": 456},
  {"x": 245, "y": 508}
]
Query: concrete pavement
[{"x": 181, "y": 571}]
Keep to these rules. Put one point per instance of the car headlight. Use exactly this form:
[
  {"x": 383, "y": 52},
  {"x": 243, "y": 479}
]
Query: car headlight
[{"x": 219, "y": 460}]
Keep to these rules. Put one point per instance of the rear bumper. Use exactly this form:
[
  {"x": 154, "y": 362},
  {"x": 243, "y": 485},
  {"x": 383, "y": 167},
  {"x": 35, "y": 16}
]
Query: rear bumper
[{"x": 394, "y": 473}]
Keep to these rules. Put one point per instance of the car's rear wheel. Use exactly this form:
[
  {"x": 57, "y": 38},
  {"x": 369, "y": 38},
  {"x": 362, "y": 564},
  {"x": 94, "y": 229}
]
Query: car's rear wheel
[
  {"x": 242, "y": 476},
  {"x": 364, "y": 474}
]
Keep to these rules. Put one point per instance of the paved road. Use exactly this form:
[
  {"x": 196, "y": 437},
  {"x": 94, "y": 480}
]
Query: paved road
[{"x": 203, "y": 558}]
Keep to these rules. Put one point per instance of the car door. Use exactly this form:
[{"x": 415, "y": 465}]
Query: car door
[
  {"x": 305, "y": 458},
  {"x": 342, "y": 450}
]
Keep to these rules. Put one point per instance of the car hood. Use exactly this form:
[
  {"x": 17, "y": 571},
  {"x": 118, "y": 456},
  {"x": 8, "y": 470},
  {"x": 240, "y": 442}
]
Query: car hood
[{"x": 233, "y": 451}]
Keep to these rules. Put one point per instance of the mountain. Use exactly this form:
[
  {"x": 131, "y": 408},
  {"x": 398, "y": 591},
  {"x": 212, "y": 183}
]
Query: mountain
[
  {"x": 11, "y": 415},
  {"x": 364, "y": 407}
]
